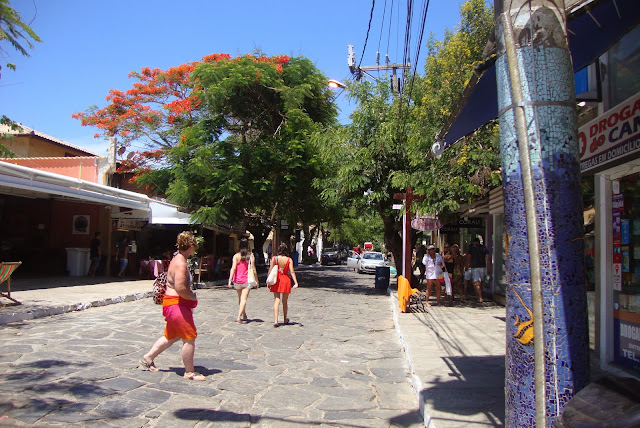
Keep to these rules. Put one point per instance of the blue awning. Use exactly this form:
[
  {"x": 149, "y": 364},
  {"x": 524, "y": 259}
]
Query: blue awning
[{"x": 592, "y": 29}]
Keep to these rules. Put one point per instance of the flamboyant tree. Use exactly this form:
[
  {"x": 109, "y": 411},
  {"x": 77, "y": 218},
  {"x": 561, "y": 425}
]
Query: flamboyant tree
[
  {"x": 226, "y": 136},
  {"x": 153, "y": 113}
]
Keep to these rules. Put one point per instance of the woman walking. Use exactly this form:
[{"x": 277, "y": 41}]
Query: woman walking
[
  {"x": 177, "y": 308},
  {"x": 282, "y": 287},
  {"x": 243, "y": 260}
]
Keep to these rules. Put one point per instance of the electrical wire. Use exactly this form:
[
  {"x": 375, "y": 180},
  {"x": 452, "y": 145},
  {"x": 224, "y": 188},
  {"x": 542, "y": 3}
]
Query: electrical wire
[
  {"x": 366, "y": 40},
  {"x": 384, "y": 11}
]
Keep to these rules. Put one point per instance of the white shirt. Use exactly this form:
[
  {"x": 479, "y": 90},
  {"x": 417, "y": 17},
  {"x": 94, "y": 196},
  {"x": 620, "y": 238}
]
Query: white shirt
[{"x": 432, "y": 269}]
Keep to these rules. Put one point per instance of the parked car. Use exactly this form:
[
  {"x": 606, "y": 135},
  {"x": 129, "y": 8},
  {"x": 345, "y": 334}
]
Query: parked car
[
  {"x": 369, "y": 261},
  {"x": 330, "y": 255},
  {"x": 352, "y": 260}
]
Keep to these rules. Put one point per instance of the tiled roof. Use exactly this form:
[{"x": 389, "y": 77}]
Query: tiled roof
[{"x": 26, "y": 130}]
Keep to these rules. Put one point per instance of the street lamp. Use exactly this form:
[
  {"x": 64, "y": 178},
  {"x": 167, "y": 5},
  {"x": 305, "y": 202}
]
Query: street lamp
[{"x": 332, "y": 83}]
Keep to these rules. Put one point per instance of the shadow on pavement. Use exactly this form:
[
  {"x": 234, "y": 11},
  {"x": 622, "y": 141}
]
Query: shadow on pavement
[
  {"x": 197, "y": 414},
  {"x": 349, "y": 282},
  {"x": 466, "y": 392}
]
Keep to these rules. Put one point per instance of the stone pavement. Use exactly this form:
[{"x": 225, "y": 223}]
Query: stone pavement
[{"x": 348, "y": 358}]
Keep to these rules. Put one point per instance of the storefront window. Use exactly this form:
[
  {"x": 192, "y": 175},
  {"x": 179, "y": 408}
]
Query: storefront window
[
  {"x": 624, "y": 68},
  {"x": 626, "y": 271}
]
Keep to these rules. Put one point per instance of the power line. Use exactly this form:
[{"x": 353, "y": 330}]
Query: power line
[{"x": 373, "y": 5}]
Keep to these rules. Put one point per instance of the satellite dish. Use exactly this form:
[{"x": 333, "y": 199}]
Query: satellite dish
[
  {"x": 121, "y": 150},
  {"x": 130, "y": 155}
]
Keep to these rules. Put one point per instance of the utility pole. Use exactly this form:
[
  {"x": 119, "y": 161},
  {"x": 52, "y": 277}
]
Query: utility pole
[
  {"x": 547, "y": 353},
  {"x": 358, "y": 72},
  {"x": 408, "y": 198}
]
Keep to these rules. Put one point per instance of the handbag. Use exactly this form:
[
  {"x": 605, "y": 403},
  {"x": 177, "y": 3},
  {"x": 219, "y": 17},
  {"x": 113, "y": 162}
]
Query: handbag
[
  {"x": 159, "y": 288},
  {"x": 251, "y": 278},
  {"x": 447, "y": 283},
  {"x": 272, "y": 278}
]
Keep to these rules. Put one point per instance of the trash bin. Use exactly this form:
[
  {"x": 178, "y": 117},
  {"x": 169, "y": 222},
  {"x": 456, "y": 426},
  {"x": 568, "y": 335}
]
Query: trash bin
[
  {"x": 77, "y": 261},
  {"x": 383, "y": 273}
]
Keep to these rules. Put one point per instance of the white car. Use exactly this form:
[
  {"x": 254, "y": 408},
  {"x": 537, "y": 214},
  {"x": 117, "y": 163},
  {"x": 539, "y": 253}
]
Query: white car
[
  {"x": 369, "y": 261},
  {"x": 352, "y": 260}
]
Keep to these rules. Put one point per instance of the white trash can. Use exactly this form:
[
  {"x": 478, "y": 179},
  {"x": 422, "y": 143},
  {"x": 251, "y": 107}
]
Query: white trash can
[{"x": 78, "y": 262}]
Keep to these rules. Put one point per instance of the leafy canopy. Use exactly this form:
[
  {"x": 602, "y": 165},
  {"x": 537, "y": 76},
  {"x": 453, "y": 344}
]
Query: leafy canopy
[{"x": 17, "y": 33}]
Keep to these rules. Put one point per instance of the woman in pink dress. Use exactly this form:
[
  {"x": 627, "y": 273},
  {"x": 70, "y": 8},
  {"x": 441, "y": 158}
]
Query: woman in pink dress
[
  {"x": 243, "y": 260},
  {"x": 282, "y": 287}
]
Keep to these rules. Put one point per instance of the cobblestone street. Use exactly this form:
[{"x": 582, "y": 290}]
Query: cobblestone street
[{"x": 338, "y": 363}]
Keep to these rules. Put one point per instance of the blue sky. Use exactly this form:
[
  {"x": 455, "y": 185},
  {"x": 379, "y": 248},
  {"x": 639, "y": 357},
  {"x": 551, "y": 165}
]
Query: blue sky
[{"x": 90, "y": 46}]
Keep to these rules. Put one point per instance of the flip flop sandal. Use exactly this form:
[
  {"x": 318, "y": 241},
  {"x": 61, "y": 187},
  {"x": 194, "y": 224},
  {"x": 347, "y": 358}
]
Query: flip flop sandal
[
  {"x": 149, "y": 366},
  {"x": 194, "y": 376}
]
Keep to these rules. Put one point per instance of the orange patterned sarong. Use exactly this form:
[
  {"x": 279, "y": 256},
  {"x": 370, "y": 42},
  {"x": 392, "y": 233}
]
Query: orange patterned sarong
[{"x": 178, "y": 313}]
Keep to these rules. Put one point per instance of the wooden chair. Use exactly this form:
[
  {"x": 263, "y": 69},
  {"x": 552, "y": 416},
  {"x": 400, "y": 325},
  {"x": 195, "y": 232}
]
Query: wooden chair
[
  {"x": 6, "y": 269},
  {"x": 203, "y": 268}
]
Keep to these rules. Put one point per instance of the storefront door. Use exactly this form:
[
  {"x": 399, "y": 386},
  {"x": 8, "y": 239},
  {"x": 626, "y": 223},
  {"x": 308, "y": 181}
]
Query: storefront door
[{"x": 626, "y": 271}]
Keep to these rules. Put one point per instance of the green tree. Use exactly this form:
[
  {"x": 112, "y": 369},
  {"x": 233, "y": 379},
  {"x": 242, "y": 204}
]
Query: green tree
[
  {"x": 364, "y": 156},
  {"x": 471, "y": 168},
  {"x": 383, "y": 150},
  {"x": 17, "y": 33},
  {"x": 248, "y": 157}
]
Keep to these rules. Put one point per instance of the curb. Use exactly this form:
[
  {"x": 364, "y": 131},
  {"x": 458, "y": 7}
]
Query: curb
[
  {"x": 58, "y": 310},
  {"x": 415, "y": 380}
]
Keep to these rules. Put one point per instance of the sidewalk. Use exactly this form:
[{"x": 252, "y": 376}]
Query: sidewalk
[{"x": 455, "y": 354}]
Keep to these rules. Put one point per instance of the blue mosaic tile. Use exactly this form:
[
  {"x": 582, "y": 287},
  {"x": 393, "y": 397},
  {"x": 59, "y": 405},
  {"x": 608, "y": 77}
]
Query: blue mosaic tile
[{"x": 553, "y": 151}]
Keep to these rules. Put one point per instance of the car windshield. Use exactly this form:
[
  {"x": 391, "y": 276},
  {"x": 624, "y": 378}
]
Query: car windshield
[{"x": 372, "y": 256}]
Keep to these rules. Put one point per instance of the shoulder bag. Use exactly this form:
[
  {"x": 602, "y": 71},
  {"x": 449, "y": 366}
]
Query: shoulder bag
[
  {"x": 159, "y": 288},
  {"x": 272, "y": 278}
]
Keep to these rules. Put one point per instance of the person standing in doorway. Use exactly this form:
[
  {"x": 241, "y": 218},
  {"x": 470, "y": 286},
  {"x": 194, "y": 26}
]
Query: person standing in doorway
[
  {"x": 479, "y": 261},
  {"x": 269, "y": 251},
  {"x": 95, "y": 253},
  {"x": 243, "y": 260},
  {"x": 122, "y": 254},
  {"x": 282, "y": 288}
]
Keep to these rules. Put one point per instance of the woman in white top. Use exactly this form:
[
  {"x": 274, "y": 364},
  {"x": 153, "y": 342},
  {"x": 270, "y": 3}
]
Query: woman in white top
[{"x": 433, "y": 268}]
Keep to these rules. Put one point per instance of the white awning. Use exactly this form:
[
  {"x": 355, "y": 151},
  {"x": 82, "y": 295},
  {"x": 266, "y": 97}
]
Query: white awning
[
  {"x": 166, "y": 213},
  {"x": 28, "y": 182}
]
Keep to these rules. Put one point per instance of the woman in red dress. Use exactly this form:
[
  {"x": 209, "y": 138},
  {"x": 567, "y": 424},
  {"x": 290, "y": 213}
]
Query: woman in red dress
[{"x": 282, "y": 287}]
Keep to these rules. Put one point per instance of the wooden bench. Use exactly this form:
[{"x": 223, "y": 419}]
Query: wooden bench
[{"x": 6, "y": 269}]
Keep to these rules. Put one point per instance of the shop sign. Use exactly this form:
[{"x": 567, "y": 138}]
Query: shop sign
[
  {"x": 470, "y": 222},
  {"x": 613, "y": 136},
  {"x": 449, "y": 228},
  {"x": 627, "y": 336},
  {"x": 131, "y": 224}
]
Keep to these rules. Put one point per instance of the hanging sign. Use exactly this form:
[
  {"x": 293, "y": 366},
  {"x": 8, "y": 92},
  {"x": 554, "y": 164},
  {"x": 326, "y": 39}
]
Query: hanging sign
[{"x": 131, "y": 224}]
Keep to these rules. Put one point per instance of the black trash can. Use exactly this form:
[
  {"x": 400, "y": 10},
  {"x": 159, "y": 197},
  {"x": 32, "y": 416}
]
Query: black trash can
[{"x": 383, "y": 273}]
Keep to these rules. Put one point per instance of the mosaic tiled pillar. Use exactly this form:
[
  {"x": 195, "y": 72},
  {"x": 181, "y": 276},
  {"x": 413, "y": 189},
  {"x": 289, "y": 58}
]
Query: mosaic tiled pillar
[{"x": 546, "y": 75}]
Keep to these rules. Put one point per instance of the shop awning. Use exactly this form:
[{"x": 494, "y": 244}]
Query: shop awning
[
  {"x": 28, "y": 182},
  {"x": 593, "y": 27},
  {"x": 166, "y": 213},
  {"x": 158, "y": 212}
]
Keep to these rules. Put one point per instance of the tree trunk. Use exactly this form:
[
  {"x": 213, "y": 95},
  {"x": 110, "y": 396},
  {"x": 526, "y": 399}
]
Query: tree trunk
[
  {"x": 393, "y": 238},
  {"x": 260, "y": 234}
]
